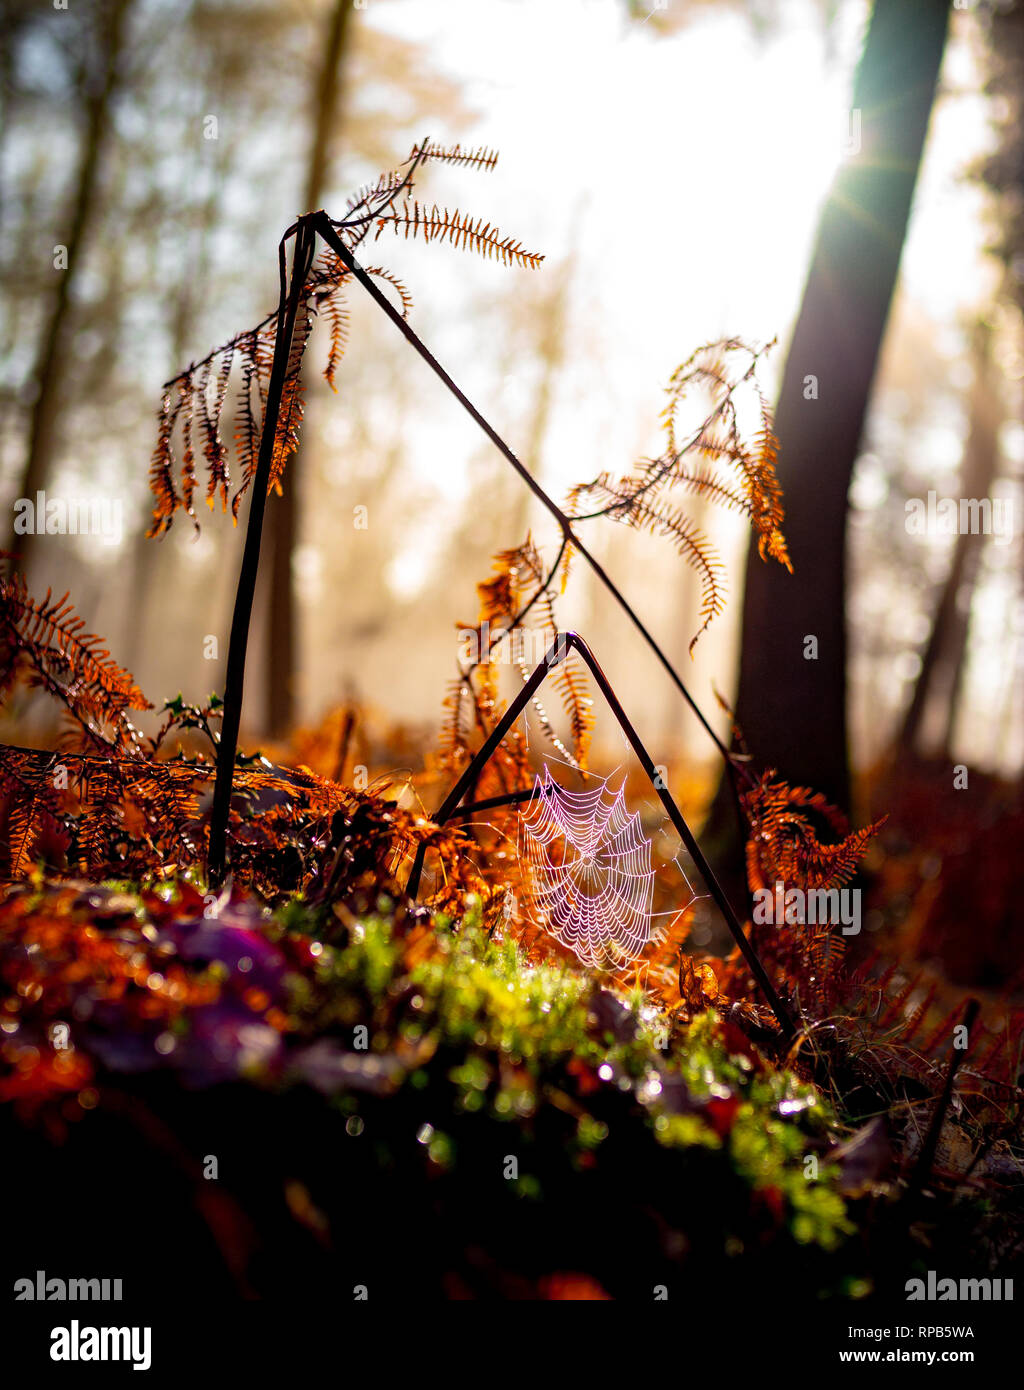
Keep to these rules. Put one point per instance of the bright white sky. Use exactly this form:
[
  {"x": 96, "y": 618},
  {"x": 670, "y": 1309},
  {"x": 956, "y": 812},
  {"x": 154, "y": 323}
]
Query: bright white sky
[{"x": 688, "y": 167}]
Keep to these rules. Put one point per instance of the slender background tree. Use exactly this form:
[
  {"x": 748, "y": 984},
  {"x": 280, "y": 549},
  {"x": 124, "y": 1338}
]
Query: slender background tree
[
  {"x": 98, "y": 66},
  {"x": 283, "y": 519}
]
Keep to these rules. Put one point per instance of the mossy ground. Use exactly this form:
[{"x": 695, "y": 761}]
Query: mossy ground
[{"x": 394, "y": 1100}]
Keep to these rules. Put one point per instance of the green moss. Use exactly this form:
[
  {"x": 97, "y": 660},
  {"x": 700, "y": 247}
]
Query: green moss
[
  {"x": 685, "y": 1131},
  {"x": 517, "y": 1031}
]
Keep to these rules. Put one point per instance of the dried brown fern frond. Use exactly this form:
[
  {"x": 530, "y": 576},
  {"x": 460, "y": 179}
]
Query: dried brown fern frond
[
  {"x": 161, "y": 471},
  {"x": 214, "y": 449},
  {"x": 1000, "y": 1055},
  {"x": 783, "y": 844},
  {"x": 369, "y": 841},
  {"x": 766, "y": 493},
  {"x": 453, "y": 743},
  {"x": 480, "y": 158},
  {"x": 647, "y": 512},
  {"x": 140, "y": 818},
  {"x": 45, "y": 642},
  {"x": 372, "y": 199},
  {"x": 516, "y": 573},
  {"x": 713, "y": 461},
  {"x": 570, "y": 680},
  {"x": 338, "y": 321},
  {"x": 247, "y": 429},
  {"x": 200, "y": 392},
  {"x": 784, "y": 848},
  {"x": 461, "y": 230},
  {"x": 118, "y": 806},
  {"x": 286, "y": 441},
  {"x": 884, "y": 1006},
  {"x": 22, "y": 829},
  {"x": 29, "y": 807},
  {"x": 370, "y": 195},
  {"x": 508, "y": 770},
  {"x": 519, "y": 587},
  {"x": 517, "y": 604},
  {"x": 720, "y": 370},
  {"x": 102, "y": 814}
]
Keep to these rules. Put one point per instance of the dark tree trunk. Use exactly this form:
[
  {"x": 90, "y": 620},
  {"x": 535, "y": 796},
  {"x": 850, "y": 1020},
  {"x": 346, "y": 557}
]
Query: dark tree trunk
[
  {"x": 47, "y": 374},
  {"x": 793, "y": 710},
  {"x": 283, "y": 516}
]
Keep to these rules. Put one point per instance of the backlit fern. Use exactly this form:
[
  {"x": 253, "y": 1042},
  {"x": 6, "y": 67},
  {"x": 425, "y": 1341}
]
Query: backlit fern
[{"x": 193, "y": 402}]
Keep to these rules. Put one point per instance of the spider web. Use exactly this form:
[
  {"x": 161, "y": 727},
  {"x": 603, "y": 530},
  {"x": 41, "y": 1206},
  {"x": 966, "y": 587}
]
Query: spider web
[{"x": 589, "y": 869}]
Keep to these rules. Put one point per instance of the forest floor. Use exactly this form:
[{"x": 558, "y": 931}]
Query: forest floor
[{"x": 412, "y": 1100}]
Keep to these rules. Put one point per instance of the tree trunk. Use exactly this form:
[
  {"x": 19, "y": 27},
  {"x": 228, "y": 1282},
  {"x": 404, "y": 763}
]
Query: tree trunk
[
  {"x": 48, "y": 371},
  {"x": 793, "y": 709},
  {"x": 283, "y": 515},
  {"x": 152, "y": 560},
  {"x": 945, "y": 654}
]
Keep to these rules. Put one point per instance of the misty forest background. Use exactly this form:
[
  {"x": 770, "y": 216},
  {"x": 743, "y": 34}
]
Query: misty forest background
[{"x": 684, "y": 203}]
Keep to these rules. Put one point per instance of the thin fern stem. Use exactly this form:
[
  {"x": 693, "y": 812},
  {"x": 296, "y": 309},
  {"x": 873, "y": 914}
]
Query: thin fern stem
[
  {"x": 326, "y": 229},
  {"x": 234, "y": 684}
]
